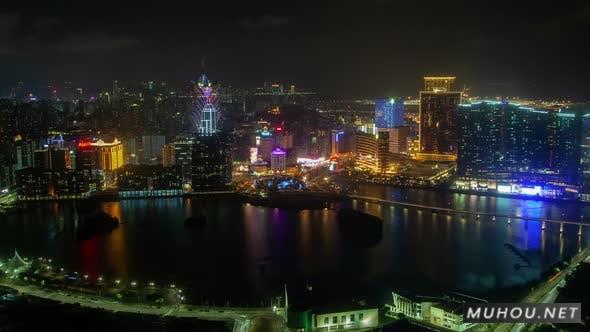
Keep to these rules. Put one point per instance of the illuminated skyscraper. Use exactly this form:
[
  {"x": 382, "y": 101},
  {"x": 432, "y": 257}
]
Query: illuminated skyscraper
[
  {"x": 211, "y": 160},
  {"x": 389, "y": 112},
  {"x": 504, "y": 141},
  {"x": 109, "y": 155},
  {"x": 439, "y": 83},
  {"x": 278, "y": 160},
  {"x": 437, "y": 131},
  {"x": 183, "y": 156},
  {"x": 86, "y": 158},
  {"x": 168, "y": 152},
  {"x": 366, "y": 151},
  {"x": 206, "y": 106}
]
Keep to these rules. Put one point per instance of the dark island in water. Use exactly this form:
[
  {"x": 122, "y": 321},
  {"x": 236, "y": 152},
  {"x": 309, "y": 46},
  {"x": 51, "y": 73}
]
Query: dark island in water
[
  {"x": 296, "y": 200},
  {"x": 360, "y": 228},
  {"x": 195, "y": 221},
  {"x": 97, "y": 223}
]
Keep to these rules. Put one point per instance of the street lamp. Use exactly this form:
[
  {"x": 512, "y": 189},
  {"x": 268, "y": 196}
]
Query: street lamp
[{"x": 100, "y": 279}]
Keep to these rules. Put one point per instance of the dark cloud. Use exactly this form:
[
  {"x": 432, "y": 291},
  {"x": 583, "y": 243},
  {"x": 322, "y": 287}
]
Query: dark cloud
[
  {"x": 8, "y": 25},
  {"x": 95, "y": 42},
  {"x": 22, "y": 35},
  {"x": 263, "y": 22},
  {"x": 362, "y": 48}
]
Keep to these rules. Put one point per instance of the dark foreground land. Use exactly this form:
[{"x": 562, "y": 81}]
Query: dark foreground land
[{"x": 22, "y": 313}]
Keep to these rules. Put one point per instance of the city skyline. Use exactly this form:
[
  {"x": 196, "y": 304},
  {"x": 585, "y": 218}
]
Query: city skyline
[{"x": 294, "y": 166}]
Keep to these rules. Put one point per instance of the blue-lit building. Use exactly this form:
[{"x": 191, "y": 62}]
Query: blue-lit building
[
  {"x": 584, "y": 109},
  {"x": 511, "y": 148},
  {"x": 389, "y": 112}
]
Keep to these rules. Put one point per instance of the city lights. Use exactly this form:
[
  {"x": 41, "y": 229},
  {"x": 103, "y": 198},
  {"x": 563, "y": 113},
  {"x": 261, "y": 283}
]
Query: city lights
[{"x": 376, "y": 165}]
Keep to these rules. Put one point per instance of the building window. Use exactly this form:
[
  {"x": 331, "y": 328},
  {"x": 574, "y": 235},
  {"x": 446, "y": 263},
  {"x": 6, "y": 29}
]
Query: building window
[
  {"x": 352, "y": 318},
  {"x": 343, "y": 319},
  {"x": 335, "y": 320},
  {"x": 361, "y": 315},
  {"x": 326, "y": 321}
]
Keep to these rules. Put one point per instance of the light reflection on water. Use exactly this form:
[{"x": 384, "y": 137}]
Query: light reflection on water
[{"x": 248, "y": 252}]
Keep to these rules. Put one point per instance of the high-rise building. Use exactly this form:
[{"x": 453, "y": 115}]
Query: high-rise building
[
  {"x": 437, "y": 130},
  {"x": 505, "y": 141},
  {"x": 278, "y": 160},
  {"x": 86, "y": 158},
  {"x": 60, "y": 159},
  {"x": 439, "y": 83},
  {"x": 152, "y": 149},
  {"x": 52, "y": 159},
  {"x": 42, "y": 159},
  {"x": 109, "y": 155},
  {"x": 206, "y": 106},
  {"x": 168, "y": 152},
  {"x": 149, "y": 181},
  {"x": 337, "y": 141},
  {"x": 366, "y": 151},
  {"x": 284, "y": 140},
  {"x": 397, "y": 138},
  {"x": 584, "y": 109},
  {"x": 267, "y": 144},
  {"x": 211, "y": 163},
  {"x": 24, "y": 154},
  {"x": 40, "y": 184},
  {"x": 183, "y": 156},
  {"x": 389, "y": 112},
  {"x": 383, "y": 154}
]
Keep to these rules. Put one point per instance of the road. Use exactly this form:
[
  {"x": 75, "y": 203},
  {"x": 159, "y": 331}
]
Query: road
[
  {"x": 466, "y": 212},
  {"x": 547, "y": 291},
  {"x": 245, "y": 319}
]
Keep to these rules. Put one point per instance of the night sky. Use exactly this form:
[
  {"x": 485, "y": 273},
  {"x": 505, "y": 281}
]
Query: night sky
[{"x": 362, "y": 49}]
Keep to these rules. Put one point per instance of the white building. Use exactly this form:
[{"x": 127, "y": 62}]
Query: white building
[
  {"x": 443, "y": 312},
  {"x": 344, "y": 319},
  {"x": 404, "y": 306},
  {"x": 278, "y": 160}
]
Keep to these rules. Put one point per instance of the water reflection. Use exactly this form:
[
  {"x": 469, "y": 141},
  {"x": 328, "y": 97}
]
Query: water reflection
[{"x": 247, "y": 251}]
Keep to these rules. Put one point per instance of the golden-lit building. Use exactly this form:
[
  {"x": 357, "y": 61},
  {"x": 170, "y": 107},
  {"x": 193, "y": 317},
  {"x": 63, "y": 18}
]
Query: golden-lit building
[
  {"x": 109, "y": 155},
  {"x": 168, "y": 158},
  {"x": 438, "y": 119},
  {"x": 439, "y": 83},
  {"x": 366, "y": 150}
]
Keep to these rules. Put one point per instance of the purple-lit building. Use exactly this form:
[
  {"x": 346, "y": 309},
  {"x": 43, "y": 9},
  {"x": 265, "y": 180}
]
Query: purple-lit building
[
  {"x": 278, "y": 160},
  {"x": 206, "y": 113}
]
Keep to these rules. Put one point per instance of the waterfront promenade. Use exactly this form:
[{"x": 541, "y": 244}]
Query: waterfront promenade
[{"x": 245, "y": 319}]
